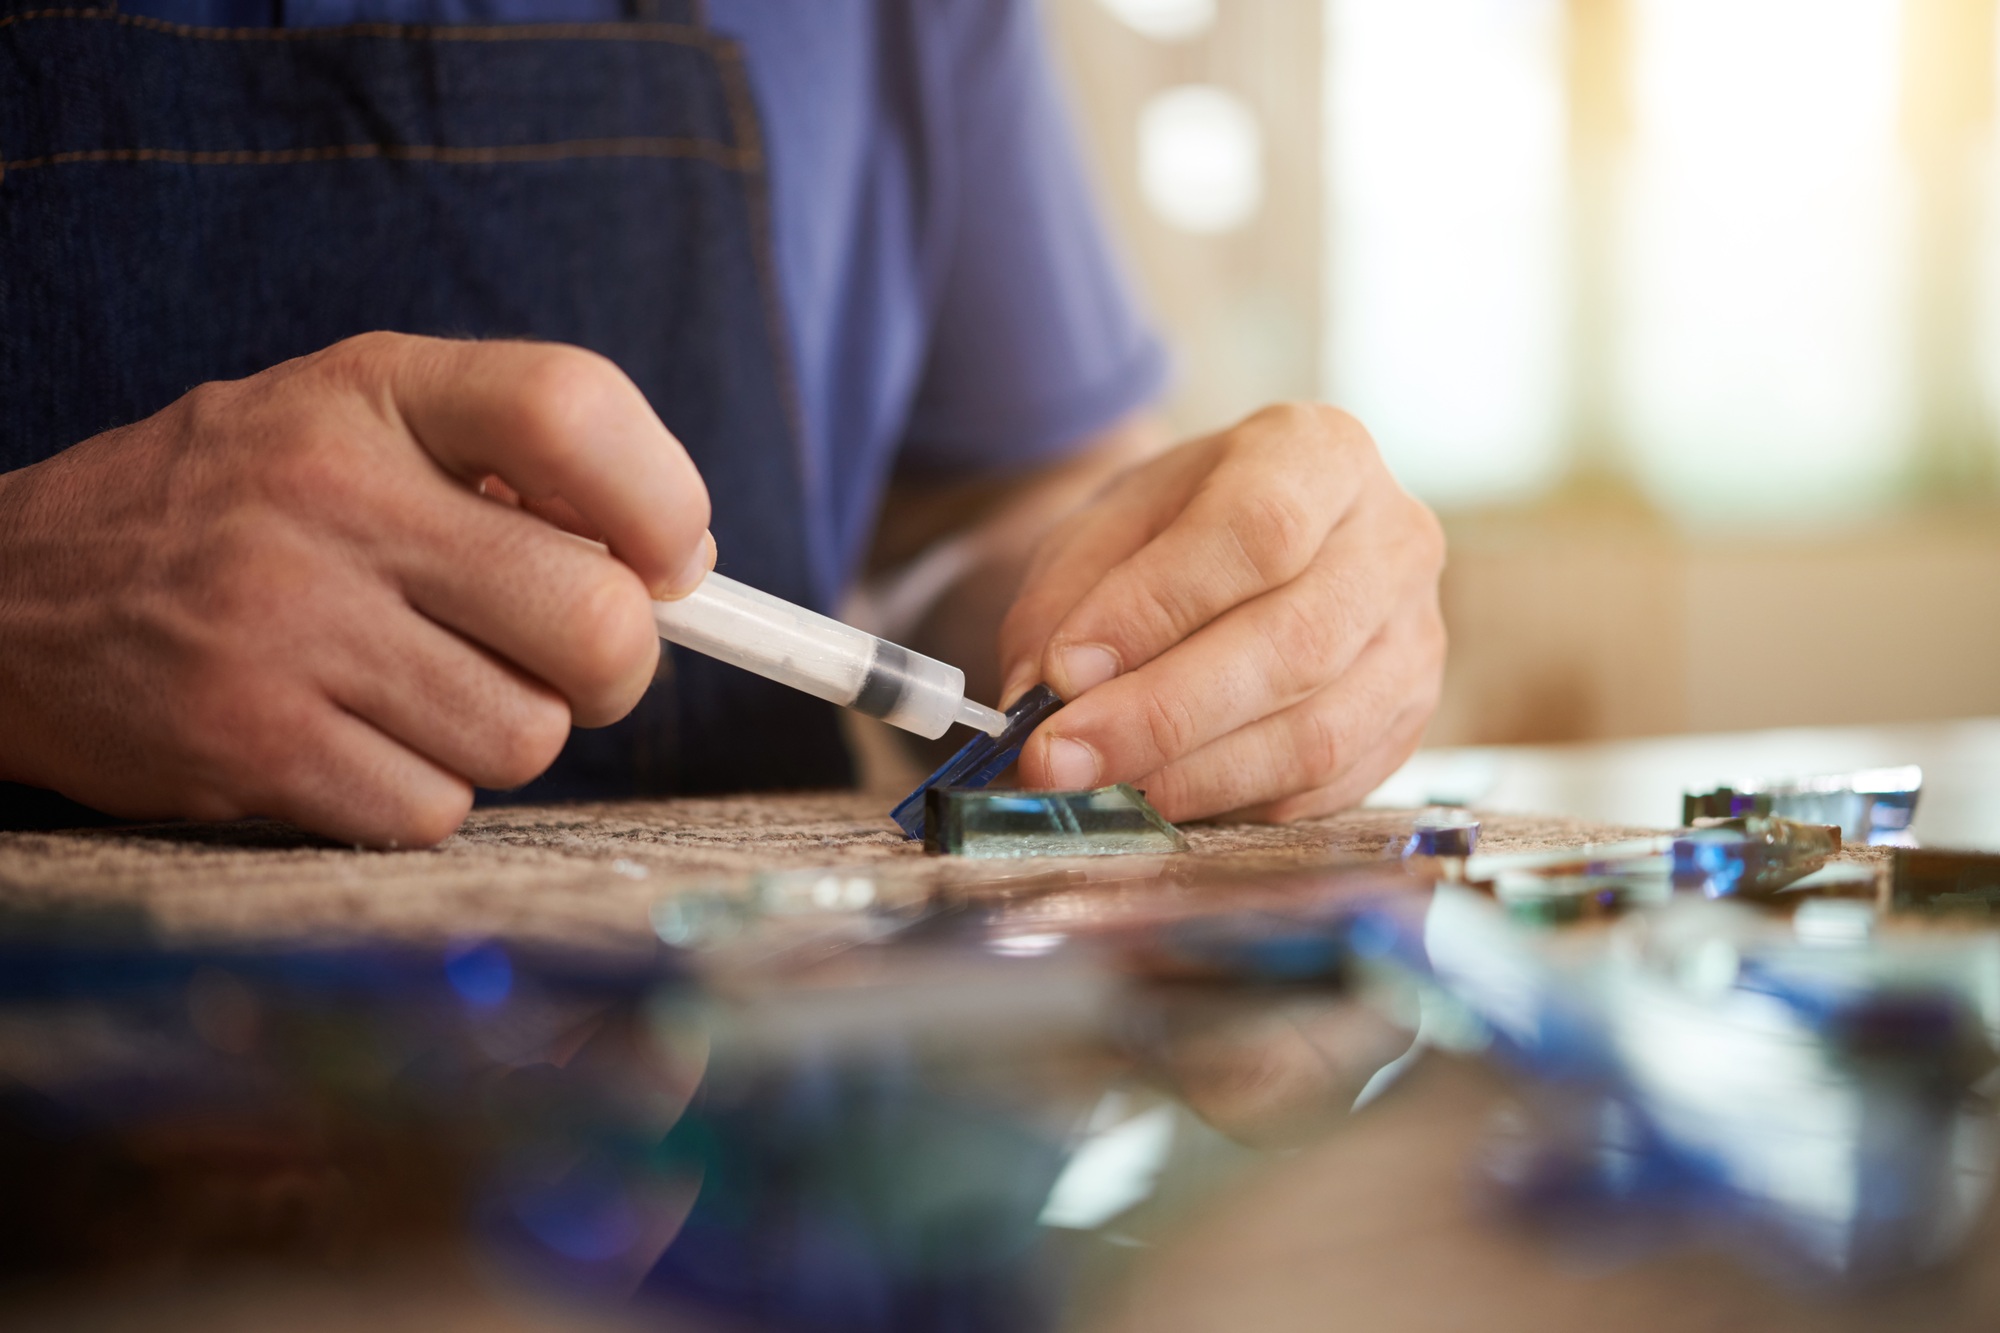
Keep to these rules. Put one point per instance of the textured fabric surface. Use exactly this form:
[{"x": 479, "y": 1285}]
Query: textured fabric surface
[{"x": 585, "y": 873}]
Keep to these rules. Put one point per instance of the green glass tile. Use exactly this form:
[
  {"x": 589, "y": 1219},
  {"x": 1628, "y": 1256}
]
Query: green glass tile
[{"x": 1110, "y": 821}]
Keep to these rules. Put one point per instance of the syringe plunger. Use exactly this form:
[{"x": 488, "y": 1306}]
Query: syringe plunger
[{"x": 745, "y": 627}]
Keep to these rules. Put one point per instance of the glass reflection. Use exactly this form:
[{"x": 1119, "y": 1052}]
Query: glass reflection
[{"x": 853, "y": 1100}]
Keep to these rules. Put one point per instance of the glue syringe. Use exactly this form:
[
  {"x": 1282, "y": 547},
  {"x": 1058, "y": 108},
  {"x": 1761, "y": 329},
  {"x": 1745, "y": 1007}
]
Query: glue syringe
[{"x": 808, "y": 651}]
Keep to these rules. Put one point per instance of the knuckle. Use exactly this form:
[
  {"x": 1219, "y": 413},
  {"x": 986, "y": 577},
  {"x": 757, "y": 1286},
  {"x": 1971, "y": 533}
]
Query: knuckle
[
  {"x": 1157, "y": 613},
  {"x": 562, "y": 392},
  {"x": 1289, "y": 423},
  {"x": 1170, "y": 723},
  {"x": 1277, "y": 531},
  {"x": 1317, "y": 747},
  {"x": 374, "y": 344},
  {"x": 1303, "y": 637},
  {"x": 362, "y": 358},
  {"x": 1278, "y": 419},
  {"x": 209, "y": 407}
]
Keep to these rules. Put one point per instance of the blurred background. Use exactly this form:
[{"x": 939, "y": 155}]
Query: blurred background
[{"x": 1685, "y": 314}]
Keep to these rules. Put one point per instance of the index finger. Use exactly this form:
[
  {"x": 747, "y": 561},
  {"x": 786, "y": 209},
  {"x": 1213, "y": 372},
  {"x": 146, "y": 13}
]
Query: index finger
[
  {"x": 1074, "y": 557},
  {"x": 1255, "y": 523},
  {"x": 559, "y": 422}
]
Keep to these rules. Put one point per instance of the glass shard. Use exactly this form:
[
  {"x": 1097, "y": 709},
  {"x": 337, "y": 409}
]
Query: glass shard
[
  {"x": 1110, "y": 821},
  {"x": 983, "y": 759},
  {"x": 1872, "y": 806},
  {"x": 1555, "y": 900},
  {"x": 1751, "y": 857},
  {"x": 1442, "y": 831}
]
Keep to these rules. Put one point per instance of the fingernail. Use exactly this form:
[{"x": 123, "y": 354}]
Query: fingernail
[
  {"x": 692, "y": 573},
  {"x": 1085, "y": 668},
  {"x": 1072, "y": 765}
]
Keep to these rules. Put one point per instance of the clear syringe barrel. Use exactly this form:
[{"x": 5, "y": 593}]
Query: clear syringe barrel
[{"x": 740, "y": 625}]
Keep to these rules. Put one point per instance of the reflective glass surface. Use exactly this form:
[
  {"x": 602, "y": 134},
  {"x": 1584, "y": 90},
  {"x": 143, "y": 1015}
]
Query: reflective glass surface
[{"x": 1021, "y": 1096}]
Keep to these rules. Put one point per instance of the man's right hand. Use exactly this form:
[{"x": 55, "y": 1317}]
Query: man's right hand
[{"x": 285, "y": 595}]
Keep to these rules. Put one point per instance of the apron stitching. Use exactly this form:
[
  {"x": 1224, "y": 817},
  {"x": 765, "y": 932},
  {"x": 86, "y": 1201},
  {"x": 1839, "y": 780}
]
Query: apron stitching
[
  {"x": 721, "y": 155},
  {"x": 742, "y": 108},
  {"x": 679, "y": 34}
]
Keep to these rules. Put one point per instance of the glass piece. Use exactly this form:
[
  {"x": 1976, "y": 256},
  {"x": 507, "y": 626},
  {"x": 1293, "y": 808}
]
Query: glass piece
[
  {"x": 1552, "y": 900},
  {"x": 1873, "y": 806},
  {"x": 1110, "y": 821},
  {"x": 1751, "y": 857},
  {"x": 1929, "y": 880},
  {"x": 1442, "y": 832},
  {"x": 983, "y": 759},
  {"x": 1834, "y": 921},
  {"x": 1855, "y": 880},
  {"x": 1589, "y": 858},
  {"x": 1804, "y": 1087}
]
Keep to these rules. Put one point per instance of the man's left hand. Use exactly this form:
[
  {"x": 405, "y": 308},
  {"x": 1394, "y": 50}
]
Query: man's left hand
[{"x": 1248, "y": 624}]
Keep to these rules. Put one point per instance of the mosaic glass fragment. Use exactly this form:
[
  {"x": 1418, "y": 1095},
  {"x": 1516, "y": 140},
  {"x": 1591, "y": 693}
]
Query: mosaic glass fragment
[
  {"x": 1550, "y": 900},
  {"x": 1874, "y": 806},
  {"x": 1442, "y": 831},
  {"x": 1110, "y": 821},
  {"x": 1750, "y": 857},
  {"x": 983, "y": 758}
]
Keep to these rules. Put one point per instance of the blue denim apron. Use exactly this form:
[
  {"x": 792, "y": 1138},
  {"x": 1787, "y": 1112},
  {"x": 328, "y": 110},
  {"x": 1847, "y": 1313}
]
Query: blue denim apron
[{"x": 187, "y": 204}]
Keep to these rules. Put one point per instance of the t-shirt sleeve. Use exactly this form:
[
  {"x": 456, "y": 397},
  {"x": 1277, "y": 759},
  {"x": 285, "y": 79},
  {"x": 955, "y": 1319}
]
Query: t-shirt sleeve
[{"x": 1037, "y": 341}]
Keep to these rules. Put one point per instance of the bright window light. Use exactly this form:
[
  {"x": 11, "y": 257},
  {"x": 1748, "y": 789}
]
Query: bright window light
[
  {"x": 1987, "y": 330},
  {"x": 1447, "y": 283},
  {"x": 1763, "y": 331},
  {"x": 1201, "y": 159},
  {"x": 1165, "y": 20}
]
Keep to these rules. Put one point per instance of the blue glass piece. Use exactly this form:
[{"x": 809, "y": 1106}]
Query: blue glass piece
[
  {"x": 480, "y": 972},
  {"x": 983, "y": 759},
  {"x": 1757, "y": 855},
  {"x": 1873, "y": 806},
  {"x": 1714, "y": 858},
  {"x": 1555, "y": 900},
  {"x": 1442, "y": 832}
]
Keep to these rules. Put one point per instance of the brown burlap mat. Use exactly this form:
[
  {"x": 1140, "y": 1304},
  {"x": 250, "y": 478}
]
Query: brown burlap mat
[{"x": 578, "y": 873}]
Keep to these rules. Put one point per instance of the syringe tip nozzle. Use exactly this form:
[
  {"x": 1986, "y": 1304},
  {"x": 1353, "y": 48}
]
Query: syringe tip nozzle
[{"x": 981, "y": 718}]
